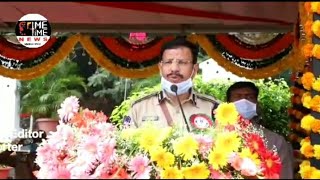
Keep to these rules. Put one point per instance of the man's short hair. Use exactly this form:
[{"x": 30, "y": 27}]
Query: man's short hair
[
  {"x": 240, "y": 85},
  {"x": 181, "y": 42}
]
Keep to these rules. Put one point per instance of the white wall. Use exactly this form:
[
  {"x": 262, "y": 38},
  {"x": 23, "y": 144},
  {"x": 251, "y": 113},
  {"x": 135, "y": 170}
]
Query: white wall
[
  {"x": 211, "y": 70},
  {"x": 9, "y": 106}
]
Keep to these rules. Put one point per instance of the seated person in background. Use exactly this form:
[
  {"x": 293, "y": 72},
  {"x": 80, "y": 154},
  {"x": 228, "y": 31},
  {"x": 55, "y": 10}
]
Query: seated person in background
[
  {"x": 245, "y": 96},
  {"x": 22, "y": 162}
]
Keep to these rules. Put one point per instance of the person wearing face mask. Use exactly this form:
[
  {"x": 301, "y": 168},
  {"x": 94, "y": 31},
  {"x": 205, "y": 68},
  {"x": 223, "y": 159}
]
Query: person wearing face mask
[
  {"x": 178, "y": 66},
  {"x": 244, "y": 95}
]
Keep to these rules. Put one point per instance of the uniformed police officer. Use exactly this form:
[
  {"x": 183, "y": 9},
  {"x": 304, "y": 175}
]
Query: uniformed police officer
[
  {"x": 245, "y": 96},
  {"x": 178, "y": 66}
]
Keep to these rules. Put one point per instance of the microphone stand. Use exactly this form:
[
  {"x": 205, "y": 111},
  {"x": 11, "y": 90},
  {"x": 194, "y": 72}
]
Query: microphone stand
[{"x": 174, "y": 88}]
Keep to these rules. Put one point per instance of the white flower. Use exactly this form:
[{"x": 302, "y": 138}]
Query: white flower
[
  {"x": 69, "y": 107},
  {"x": 248, "y": 167}
]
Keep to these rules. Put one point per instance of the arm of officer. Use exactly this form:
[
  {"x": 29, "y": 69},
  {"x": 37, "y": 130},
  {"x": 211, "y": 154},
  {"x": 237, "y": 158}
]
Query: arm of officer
[{"x": 286, "y": 155}]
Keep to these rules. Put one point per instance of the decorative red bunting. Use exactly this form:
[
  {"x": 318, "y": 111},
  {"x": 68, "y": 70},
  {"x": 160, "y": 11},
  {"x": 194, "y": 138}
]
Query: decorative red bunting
[
  {"x": 126, "y": 59},
  {"x": 17, "y": 52},
  {"x": 255, "y": 54},
  {"x": 134, "y": 55}
]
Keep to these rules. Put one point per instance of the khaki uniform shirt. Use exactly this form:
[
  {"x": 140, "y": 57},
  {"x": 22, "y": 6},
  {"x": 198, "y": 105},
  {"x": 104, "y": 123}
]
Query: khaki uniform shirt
[{"x": 148, "y": 109}]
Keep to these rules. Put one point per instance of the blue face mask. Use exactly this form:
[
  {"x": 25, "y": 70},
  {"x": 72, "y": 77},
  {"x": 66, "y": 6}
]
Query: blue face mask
[
  {"x": 246, "y": 109},
  {"x": 183, "y": 87}
]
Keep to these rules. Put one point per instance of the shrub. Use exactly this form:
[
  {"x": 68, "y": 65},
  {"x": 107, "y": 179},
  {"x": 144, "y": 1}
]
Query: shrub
[{"x": 274, "y": 99}]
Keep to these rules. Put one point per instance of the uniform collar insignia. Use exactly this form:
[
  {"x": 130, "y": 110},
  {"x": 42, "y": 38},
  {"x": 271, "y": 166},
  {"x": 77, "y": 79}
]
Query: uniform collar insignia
[{"x": 162, "y": 95}]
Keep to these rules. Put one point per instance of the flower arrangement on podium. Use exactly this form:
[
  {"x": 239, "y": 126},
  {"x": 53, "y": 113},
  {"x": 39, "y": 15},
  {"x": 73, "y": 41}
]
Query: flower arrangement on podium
[{"x": 86, "y": 145}]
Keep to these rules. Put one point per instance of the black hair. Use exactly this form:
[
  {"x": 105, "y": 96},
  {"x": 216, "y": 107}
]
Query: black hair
[
  {"x": 181, "y": 42},
  {"x": 240, "y": 85}
]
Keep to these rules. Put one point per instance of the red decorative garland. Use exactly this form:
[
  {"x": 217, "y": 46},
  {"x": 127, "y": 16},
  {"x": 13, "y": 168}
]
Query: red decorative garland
[
  {"x": 139, "y": 55},
  {"x": 256, "y": 54},
  {"x": 13, "y": 51}
]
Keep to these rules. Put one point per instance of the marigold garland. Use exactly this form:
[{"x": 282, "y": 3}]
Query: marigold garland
[
  {"x": 247, "y": 63},
  {"x": 123, "y": 63},
  {"x": 316, "y": 28},
  {"x": 315, "y": 7},
  {"x": 297, "y": 112},
  {"x": 27, "y": 54},
  {"x": 316, "y": 51},
  {"x": 13, "y": 51},
  {"x": 310, "y": 83},
  {"x": 293, "y": 60},
  {"x": 308, "y": 172},
  {"x": 16, "y": 64},
  {"x": 106, "y": 63},
  {"x": 46, "y": 66},
  {"x": 310, "y": 28},
  {"x": 255, "y": 54}
]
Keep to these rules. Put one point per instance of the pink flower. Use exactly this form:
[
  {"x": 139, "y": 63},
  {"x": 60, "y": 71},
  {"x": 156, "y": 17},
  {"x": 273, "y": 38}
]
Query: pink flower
[
  {"x": 217, "y": 174},
  {"x": 140, "y": 168},
  {"x": 81, "y": 167},
  {"x": 89, "y": 146},
  {"x": 69, "y": 107},
  {"x": 47, "y": 155},
  {"x": 63, "y": 137},
  {"x": 85, "y": 147},
  {"x": 62, "y": 173},
  {"x": 205, "y": 143},
  {"x": 106, "y": 151},
  {"x": 101, "y": 129},
  {"x": 236, "y": 161}
]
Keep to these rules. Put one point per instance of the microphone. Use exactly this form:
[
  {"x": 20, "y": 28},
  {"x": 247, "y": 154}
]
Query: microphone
[{"x": 174, "y": 88}]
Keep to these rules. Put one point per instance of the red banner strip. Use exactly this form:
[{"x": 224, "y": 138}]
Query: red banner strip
[{"x": 162, "y": 8}]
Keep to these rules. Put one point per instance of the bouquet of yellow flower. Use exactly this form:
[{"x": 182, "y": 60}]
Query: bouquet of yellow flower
[
  {"x": 233, "y": 148},
  {"x": 85, "y": 145}
]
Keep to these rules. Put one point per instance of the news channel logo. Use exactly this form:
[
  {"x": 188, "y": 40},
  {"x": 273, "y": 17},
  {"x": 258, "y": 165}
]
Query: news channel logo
[{"x": 33, "y": 30}]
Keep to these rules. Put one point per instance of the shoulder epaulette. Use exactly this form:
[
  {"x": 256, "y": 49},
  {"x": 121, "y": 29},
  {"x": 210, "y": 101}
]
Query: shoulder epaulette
[
  {"x": 144, "y": 97},
  {"x": 207, "y": 98}
]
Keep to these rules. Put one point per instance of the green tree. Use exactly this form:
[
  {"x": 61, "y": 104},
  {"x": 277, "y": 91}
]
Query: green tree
[{"x": 42, "y": 96}]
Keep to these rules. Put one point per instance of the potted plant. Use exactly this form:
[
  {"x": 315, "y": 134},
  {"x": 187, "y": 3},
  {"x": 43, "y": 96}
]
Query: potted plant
[
  {"x": 4, "y": 171},
  {"x": 42, "y": 96}
]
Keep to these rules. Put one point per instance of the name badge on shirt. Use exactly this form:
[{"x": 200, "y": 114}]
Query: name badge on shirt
[
  {"x": 150, "y": 118},
  {"x": 200, "y": 121}
]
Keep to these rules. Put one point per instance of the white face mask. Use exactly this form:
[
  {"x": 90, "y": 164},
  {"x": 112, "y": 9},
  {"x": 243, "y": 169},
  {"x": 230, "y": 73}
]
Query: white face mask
[
  {"x": 246, "y": 109},
  {"x": 183, "y": 87}
]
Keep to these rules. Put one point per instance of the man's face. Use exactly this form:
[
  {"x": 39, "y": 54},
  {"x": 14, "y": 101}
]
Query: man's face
[
  {"x": 243, "y": 93},
  {"x": 176, "y": 65}
]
